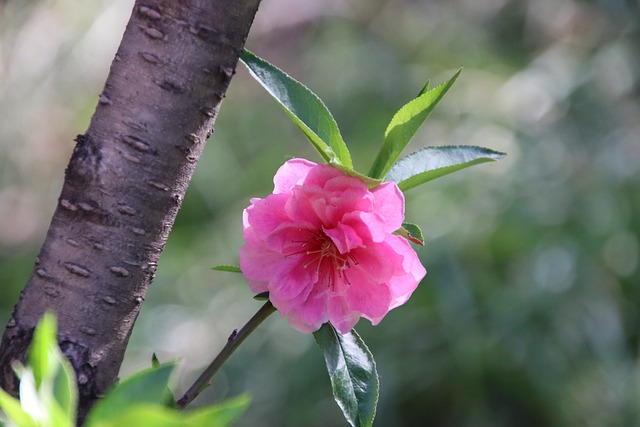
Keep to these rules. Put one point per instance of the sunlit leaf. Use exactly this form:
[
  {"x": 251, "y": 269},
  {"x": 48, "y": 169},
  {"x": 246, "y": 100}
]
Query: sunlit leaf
[
  {"x": 404, "y": 125},
  {"x": 14, "y": 412},
  {"x": 353, "y": 375},
  {"x": 53, "y": 375},
  {"x": 433, "y": 162},
  {"x": 304, "y": 107},
  {"x": 148, "y": 386},
  {"x": 41, "y": 357}
]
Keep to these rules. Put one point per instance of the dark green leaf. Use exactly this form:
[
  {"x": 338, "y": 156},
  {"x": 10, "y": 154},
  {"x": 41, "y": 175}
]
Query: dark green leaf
[
  {"x": 263, "y": 296},
  {"x": 154, "y": 361},
  {"x": 148, "y": 386},
  {"x": 412, "y": 233},
  {"x": 405, "y": 124},
  {"x": 229, "y": 268},
  {"x": 353, "y": 375},
  {"x": 304, "y": 107},
  {"x": 433, "y": 162}
]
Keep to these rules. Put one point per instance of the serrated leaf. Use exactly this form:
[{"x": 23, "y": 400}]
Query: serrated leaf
[
  {"x": 353, "y": 375},
  {"x": 404, "y": 125},
  {"x": 433, "y": 162},
  {"x": 228, "y": 268},
  {"x": 304, "y": 107},
  {"x": 146, "y": 387},
  {"x": 411, "y": 232}
]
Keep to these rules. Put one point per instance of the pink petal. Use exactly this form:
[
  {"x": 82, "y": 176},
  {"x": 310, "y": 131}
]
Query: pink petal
[
  {"x": 370, "y": 226},
  {"x": 265, "y": 215},
  {"x": 390, "y": 204},
  {"x": 292, "y": 173},
  {"x": 406, "y": 279},
  {"x": 367, "y": 296},
  {"x": 309, "y": 316},
  {"x": 340, "y": 314},
  {"x": 344, "y": 237}
]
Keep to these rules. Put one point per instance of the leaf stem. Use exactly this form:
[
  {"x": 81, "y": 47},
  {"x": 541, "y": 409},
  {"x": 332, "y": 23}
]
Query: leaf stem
[{"x": 235, "y": 339}]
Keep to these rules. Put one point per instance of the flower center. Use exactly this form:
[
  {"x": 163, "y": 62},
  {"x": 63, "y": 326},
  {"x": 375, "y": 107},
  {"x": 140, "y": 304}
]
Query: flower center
[{"x": 320, "y": 251}]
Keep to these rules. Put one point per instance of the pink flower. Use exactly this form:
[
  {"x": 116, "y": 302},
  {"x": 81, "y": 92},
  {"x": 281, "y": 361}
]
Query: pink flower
[{"x": 322, "y": 246}]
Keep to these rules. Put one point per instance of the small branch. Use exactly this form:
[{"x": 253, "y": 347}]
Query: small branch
[{"x": 235, "y": 339}]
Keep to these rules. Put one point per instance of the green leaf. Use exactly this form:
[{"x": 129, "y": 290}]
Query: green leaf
[
  {"x": 304, "y": 107},
  {"x": 353, "y": 375},
  {"x": 151, "y": 415},
  {"x": 148, "y": 386},
  {"x": 154, "y": 361},
  {"x": 142, "y": 415},
  {"x": 229, "y": 268},
  {"x": 14, "y": 412},
  {"x": 262, "y": 296},
  {"x": 411, "y": 232},
  {"x": 433, "y": 162},
  {"x": 41, "y": 357},
  {"x": 222, "y": 414},
  {"x": 404, "y": 125},
  {"x": 53, "y": 375}
]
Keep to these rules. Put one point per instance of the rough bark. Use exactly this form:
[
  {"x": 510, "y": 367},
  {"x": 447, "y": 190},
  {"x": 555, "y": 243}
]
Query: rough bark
[{"x": 125, "y": 183}]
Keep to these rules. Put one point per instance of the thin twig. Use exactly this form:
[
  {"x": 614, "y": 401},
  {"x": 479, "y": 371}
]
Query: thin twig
[{"x": 236, "y": 338}]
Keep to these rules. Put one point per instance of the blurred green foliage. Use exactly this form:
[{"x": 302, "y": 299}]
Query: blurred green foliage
[{"x": 530, "y": 312}]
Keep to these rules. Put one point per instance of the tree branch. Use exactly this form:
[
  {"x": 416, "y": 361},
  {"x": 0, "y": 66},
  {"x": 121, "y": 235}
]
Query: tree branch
[{"x": 125, "y": 183}]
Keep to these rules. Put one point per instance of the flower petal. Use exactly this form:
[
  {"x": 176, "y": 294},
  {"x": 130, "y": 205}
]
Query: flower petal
[
  {"x": 292, "y": 173},
  {"x": 390, "y": 204}
]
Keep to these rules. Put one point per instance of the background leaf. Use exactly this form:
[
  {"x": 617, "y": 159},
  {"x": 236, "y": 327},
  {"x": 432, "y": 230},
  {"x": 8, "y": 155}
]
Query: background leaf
[
  {"x": 228, "y": 268},
  {"x": 222, "y": 414},
  {"x": 404, "y": 125},
  {"x": 303, "y": 107},
  {"x": 148, "y": 386},
  {"x": 434, "y": 162},
  {"x": 353, "y": 375}
]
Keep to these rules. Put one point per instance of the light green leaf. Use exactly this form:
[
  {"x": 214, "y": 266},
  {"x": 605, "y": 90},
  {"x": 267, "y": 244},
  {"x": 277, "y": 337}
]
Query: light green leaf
[
  {"x": 54, "y": 378},
  {"x": 148, "y": 386},
  {"x": 411, "y": 232},
  {"x": 142, "y": 415},
  {"x": 404, "y": 125},
  {"x": 151, "y": 415},
  {"x": 14, "y": 412},
  {"x": 304, "y": 107},
  {"x": 433, "y": 162},
  {"x": 41, "y": 357},
  {"x": 222, "y": 414},
  {"x": 353, "y": 375},
  {"x": 229, "y": 268}
]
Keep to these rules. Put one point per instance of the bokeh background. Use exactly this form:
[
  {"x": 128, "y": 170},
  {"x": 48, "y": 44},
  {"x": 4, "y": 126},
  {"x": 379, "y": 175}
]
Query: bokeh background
[{"x": 529, "y": 314}]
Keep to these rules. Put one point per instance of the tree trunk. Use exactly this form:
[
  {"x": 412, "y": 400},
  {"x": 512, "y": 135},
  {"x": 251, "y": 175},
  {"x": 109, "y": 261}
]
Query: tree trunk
[{"x": 125, "y": 183}]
